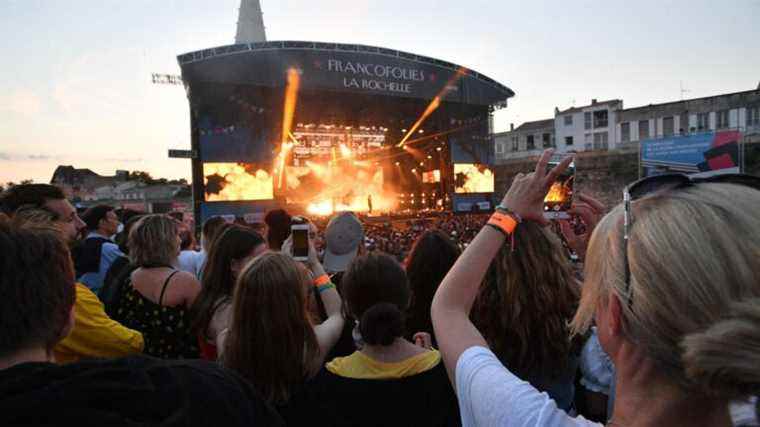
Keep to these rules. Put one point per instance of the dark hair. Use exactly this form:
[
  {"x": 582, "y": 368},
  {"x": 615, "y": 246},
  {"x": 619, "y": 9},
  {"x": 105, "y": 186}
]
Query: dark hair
[
  {"x": 126, "y": 214},
  {"x": 271, "y": 340},
  {"x": 28, "y": 194},
  {"x": 37, "y": 282},
  {"x": 235, "y": 243},
  {"x": 122, "y": 239},
  {"x": 186, "y": 237},
  {"x": 376, "y": 292},
  {"x": 431, "y": 257},
  {"x": 95, "y": 214},
  {"x": 278, "y": 228},
  {"x": 526, "y": 302},
  {"x": 210, "y": 228}
]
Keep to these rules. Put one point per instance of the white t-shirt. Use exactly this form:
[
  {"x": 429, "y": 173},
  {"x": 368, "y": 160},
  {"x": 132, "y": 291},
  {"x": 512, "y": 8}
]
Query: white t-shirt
[
  {"x": 490, "y": 395},
  {"x": 191, "y": 261}
]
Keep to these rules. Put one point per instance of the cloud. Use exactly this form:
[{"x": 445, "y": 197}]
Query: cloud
[
  {"x": 4, "y": 156},
  {"x": 42, "y": 157},
  {"x": 124, "y": 159}
]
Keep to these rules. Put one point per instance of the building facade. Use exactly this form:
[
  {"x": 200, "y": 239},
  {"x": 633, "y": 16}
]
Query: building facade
[
  {"x": 606, "y": 125},
  {"x": 733, "y": 111},
  {"x": 529, "y": 139}
]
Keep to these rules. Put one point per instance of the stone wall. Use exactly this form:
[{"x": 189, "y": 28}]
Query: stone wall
[
  {"x": 604, "y": 175},
  {"x": 600, "y": 174}
]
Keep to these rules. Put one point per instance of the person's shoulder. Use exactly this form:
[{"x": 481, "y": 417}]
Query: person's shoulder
[{"x": 186, "y": 278}]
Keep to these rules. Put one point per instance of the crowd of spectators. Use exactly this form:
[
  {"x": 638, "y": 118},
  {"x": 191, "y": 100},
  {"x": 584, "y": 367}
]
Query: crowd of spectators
[{"x": 120, "y": 318}]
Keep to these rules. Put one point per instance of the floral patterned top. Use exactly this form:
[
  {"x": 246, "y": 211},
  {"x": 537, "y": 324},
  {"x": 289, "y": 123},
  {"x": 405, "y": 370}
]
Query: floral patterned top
[{"x": 166, "y": 330}]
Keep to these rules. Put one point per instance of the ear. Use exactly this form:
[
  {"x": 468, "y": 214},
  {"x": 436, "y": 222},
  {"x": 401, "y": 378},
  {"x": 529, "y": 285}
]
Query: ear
[{"x": 614, "y": 316}]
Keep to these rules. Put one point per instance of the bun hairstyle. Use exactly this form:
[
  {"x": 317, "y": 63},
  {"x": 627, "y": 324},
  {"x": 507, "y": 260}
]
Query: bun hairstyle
[
  {"x": 694, "y": 301},
  {"x": 381, "y": 324},
  {"x": 376, "y": 292}
]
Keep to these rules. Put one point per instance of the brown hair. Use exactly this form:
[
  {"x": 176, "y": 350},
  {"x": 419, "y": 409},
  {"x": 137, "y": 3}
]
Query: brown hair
[
  {"x": 235, "y": 243},
  {"x": 37, "y": 282},
  {"x": 376, "y": 292},
  {"x": 153, "y": 241},
  {"x": 271, "y": 341},
  {"x": 526, "y": 301}
]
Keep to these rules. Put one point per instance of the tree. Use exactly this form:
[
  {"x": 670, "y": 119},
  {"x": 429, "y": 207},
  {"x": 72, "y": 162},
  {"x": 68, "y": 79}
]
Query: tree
[{"x": 140, "y": 176}]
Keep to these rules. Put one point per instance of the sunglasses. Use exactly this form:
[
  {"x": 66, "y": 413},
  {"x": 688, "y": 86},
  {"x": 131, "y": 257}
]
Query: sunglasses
[{"x": 663, "y": 183}]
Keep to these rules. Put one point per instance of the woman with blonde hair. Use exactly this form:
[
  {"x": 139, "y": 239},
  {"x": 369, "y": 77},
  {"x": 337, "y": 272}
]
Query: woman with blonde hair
[
  {"x": 156, "y": 297},
  {"x": 524, "y": 308},
  {"x": 672, "y": 284},
  {"x": 271, "y": 340}
]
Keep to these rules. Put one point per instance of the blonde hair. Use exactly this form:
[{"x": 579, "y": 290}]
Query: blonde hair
[
  {"x": 153, "y": 241},
  {"x": 693, "y": 303}
]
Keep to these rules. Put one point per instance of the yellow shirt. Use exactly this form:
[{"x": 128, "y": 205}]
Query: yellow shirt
[
  {"x": 95, "y": 335},
  {"x": 360, "y": 366}
]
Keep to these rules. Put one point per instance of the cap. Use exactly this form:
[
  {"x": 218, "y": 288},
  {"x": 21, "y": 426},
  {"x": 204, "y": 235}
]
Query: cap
[{"x": 343, "y": 236}]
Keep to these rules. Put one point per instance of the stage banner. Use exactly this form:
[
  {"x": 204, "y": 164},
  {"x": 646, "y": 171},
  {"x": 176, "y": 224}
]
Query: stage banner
[
  {"x": 703, "y": 153},
  {"x": 383, "y": 73}
]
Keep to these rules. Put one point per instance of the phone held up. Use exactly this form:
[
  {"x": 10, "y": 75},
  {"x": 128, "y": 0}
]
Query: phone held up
[
  {"x": 299, "y": 230},
  {"x": 560, "y": 197}
]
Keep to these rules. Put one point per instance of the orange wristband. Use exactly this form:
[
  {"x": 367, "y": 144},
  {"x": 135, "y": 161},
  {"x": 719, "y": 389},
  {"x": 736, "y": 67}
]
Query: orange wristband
[
  {"x": 504, "y": 222},
  {"x": 321, "y": 280}
]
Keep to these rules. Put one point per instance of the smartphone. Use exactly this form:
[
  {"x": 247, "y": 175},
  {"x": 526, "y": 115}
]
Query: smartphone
[
  {"x": 300, "y": 234},
  {"x": 560, "y": 197}
]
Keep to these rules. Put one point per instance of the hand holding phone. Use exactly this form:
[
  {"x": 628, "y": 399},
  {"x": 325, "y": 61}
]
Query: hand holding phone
[
  {"x": 299, "y": 231},
  {"x": 559, "y": 199}
]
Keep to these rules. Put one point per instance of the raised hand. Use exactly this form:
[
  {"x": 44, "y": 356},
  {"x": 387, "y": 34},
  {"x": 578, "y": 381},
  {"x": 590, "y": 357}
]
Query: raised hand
[
  {"x": 526, "y": 195},
  {"x": 590, "y": 211}
]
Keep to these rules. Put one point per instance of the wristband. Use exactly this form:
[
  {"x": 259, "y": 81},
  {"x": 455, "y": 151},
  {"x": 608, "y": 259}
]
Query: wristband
[
  {"x": 322, "y": 280},
  {"x": 506, "y": 223},
  {"x": 323, "y": 288}
]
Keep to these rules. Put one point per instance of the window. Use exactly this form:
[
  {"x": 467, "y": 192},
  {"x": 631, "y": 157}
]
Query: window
[
  {"x": 667, "y": 126},
  {"x": 515, "y": 144},
  {"x": 547, "y": 140},
  {"x": 703, "y": 121},
  {"x": 643, "y": 130},
  {"x": 753, "y": 116},
  {"x": 499, "y": 148},
  {"x": 683, "y": 127},
  {"x": 625, "y": 132},
  {"x": 531, "y": 144},
  {"x": 568, "y": 140},
  {"x": 569, "y": 120},
  {"x": 600, "y": 119},
  {"x": 601, "y": 141},
  {"x": 721, "y": 119},
  {"x": 587, "y": 120}
]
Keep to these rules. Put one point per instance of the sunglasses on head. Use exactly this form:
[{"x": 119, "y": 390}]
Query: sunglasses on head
[{"x": 668, "y": 182}]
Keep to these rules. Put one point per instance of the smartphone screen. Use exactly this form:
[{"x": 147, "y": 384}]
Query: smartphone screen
[
  {"x": 560, "y": 197},
  {"x": 300, "y": 233}
]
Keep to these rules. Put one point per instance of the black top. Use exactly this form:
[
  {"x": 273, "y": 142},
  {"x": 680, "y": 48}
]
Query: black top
[
  {"x": 133, "y": 391},
  {"x": 166, "y": 330},
  {"x": 425, "y": 399}
]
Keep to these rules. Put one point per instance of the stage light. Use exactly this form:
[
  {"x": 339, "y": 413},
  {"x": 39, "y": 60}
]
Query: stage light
[
  {"x": 430, "y": 157},
  {"x": 397, "y": 163},
  {"x": 422, "y": 131},
  {"x": 422, "y": 163},
  {"x": 403, "y": 130},
  {"x": 414, "y": 170},
  {"x": 438, "y": 149}
]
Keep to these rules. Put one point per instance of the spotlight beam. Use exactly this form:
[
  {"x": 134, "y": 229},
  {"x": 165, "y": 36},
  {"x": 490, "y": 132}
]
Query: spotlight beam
[{"x": 434, "y": 104}]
